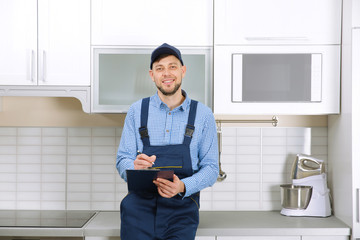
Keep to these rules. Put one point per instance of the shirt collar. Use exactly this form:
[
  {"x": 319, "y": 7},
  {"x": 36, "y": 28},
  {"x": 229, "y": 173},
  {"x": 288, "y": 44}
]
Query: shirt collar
[{"x": 160, "y": 104}]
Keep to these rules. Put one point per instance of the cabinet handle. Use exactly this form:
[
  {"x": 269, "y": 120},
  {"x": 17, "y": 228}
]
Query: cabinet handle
[
  {"x": 276, "y": 38},
  {"x": 32, "y": 64},
  {"x": 44, "y": 66},
  {"x": 357, "y": 207}
]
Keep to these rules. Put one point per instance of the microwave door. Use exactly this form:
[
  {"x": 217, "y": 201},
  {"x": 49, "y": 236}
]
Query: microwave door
[
  {"x": 316, "y": 63},
  {"x": 237, "y": 78}
]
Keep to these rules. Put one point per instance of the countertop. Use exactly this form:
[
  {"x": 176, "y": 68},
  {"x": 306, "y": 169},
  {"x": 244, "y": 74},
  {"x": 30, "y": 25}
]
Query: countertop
[
  {"x": 212, "y": 223},
  {"x": 237, "y": 223}
]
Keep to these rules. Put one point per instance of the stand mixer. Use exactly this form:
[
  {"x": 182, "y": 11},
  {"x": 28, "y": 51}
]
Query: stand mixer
[{"x": 310, "y": 172}]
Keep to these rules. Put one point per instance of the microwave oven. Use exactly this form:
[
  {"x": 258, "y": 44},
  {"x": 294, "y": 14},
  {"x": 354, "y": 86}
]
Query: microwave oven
[{"x": 277, "y": 79}]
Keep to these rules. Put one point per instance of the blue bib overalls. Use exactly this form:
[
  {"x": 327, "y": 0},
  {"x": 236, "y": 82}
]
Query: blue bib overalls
[{"x": 148, "y": 216}]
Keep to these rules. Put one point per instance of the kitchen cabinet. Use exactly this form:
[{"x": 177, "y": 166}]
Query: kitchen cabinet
[
  {"x": 259, "y": 238},
  {"x": 344, "y": 129},
  {"x": 277, "y": 22},
  {"x": 324, "y": 237},
  {"x": 121, "y": 76},
  {"x": 142, "y": 22},
  {"x": 45, "y": 42}
]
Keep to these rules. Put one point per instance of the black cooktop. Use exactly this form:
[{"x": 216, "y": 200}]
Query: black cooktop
[{"x": 45, "y": 218}]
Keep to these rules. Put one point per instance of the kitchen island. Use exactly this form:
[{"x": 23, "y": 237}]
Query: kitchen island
[{"x": 221, "y": 225}]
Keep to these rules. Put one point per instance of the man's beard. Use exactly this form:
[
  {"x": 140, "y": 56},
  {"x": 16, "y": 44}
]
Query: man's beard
[{"x": 162, "y": 90}]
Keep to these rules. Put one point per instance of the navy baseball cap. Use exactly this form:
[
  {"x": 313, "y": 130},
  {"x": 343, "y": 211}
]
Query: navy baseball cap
[{"x": 165, "y": 49}]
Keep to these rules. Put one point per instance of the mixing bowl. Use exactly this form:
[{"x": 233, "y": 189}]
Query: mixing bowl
[{"x": 295, "y": 196}]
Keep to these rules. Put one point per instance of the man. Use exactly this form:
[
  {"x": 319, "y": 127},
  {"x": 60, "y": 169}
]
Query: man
[{"x": 172, "y": 132}]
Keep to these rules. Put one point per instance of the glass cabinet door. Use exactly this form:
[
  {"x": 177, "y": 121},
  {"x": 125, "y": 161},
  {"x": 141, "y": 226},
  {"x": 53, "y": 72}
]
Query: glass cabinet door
[{"x": 121, "y": 77}]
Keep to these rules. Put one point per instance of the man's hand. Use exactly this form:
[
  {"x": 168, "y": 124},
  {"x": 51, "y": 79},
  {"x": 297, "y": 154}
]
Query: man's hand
[
  {"x": 143, "y": 161},
  {"x": 168, "y": 189}
]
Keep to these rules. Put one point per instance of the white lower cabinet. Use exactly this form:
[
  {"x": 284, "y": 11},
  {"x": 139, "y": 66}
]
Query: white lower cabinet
[
  {"x": 325, "y": 238},
  {"x": 259, "y": 238},
  {"x": 205, "y": 238}
]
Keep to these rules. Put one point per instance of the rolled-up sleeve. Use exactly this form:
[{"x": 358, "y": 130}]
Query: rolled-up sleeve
[{"x": 208, "y": 154}]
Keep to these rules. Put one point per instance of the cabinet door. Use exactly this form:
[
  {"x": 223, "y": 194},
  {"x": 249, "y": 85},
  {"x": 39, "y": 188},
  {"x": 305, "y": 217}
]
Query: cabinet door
[
  {"x": 259, "y": 238},
  {"x": 143, "y": 22},
  {"x": 325, "y": 238},
  {"x": 18, "y": 42},
  {"x": 277, "y": 21},
  {"x": 64, "y": 42}
]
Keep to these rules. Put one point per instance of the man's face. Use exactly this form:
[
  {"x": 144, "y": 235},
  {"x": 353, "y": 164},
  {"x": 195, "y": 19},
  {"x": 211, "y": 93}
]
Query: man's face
[{"x": 167, "y": 75}]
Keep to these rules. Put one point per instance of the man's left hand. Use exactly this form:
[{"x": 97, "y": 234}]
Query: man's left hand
[{"x": 168, "y": 189}]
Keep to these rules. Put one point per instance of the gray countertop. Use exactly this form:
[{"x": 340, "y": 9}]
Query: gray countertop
[
  {"x": 236, "y": 224},
  {"x": 212, "y": 223}
]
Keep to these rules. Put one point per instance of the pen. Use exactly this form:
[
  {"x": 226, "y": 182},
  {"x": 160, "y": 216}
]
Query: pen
[{"x": 138, "y": 153}]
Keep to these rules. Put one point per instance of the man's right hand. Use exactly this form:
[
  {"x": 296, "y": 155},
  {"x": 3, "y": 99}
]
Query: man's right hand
[{"x": 143, "y": 161}]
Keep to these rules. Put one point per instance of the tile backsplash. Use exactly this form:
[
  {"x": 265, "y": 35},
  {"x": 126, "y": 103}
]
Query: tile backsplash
[{"x": 74, "y": 168}]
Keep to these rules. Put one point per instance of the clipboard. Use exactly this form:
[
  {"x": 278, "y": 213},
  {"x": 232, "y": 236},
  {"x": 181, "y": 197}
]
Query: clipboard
[{"x": 142, "y": 180}]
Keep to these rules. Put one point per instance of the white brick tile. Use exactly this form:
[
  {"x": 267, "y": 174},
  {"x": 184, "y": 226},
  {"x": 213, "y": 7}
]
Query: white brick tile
[
  {"x": 103, "y": 141},
  {"x": 53, "y": 177},
  {"x": 221, "y": 196},
  {"x": 78, "y": 205},
  {"x": 28, "y": 205},
  {"x": 319, "y": 141},
  {"x": 102, "y": 205},
  {"x": 248, "y": 141},
  {"x": 29, "y": 140},
  {"x": 79, "y": 141},
  {"x": 53, "y": 205},
  {"x": 79, "y": 187},
  {"x": 274, "y": 132},
  {"x": 319, "y": 131},
  {"x": 274, "y": 141},
  {"x": 7, "y": 177},
  {"x": 7, "y": 168},
  {"x": 7, "y": 187},
  {"x": 79, "y": 159},
  {"x": 53, "y": 196},
  {"x": 8, "y": 131},
  {"x": 78, "y": 178},
  {"x": 103, "y": 187},
  {"x": 248, "y": 150},
  {"x": 8, "y": 205},
  {"x": 79, "y": 168},
  {"x": 248, "y": 168},
  {"x": 52, "y": 132},
  {"x": 103, "y": 178},
  {"x": 8, "y": 140},
  {"x": 29, "y": 131},
  {"x": 274, "y": 150},
  {"x": 29, "y": 168},
  {"x": 7, "y": 159},
  {"x": 248, "y": 196},
  {"x": 106, "y": 150},
  {"x": 303, "y": 132},
  {"x": 29, "y": 150},
  {"x": 104, "y": 159},
  {"x": 7, "y": 196},
  {"x": 248, "y": 132},
  {"x": 248, "y": 158},
  {"x": 28, "y": 196},
  {"x": 103, "y": 132},
  {"x": 79, "y": 150},
  {"x": 57, "y": 141},
  {"x": 53, "y": 159},
  {"x": 27, "y": 159},
  {"x": 78, "y": 196},
  {"x": 102, "y": 196},
  {"x": 5, "y": 150},
  {"x": 247, "y": 187},
  {"x": 28, "y": 187},
  {"x": 28, "y": 177},
  {"x": 79, "y": 132},
  {"x": 53, "y": 187},
  {"x": 224, "y": 205},
  {"x": 228, "y": 141},
  {"x": 53, "y": 168}
]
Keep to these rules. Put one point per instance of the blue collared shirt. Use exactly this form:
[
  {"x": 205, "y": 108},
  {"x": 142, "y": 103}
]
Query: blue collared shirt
[{"x": 166, "y": 127}]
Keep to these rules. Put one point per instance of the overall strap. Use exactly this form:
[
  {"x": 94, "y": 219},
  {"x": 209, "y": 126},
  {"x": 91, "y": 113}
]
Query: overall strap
[
  {"x": 143, "y": 121},
  {"x": 190, "y": 128}
]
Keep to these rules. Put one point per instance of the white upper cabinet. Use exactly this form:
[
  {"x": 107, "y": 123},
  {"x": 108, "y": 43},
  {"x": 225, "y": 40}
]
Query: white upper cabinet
[
  {"x": 45, "y": 42},
  {"x": 277, "y": 22},
  {"x": 143, "y": 22},
  {"x": 18, "y": 42},
  {"x": 64, "y": 42}
]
